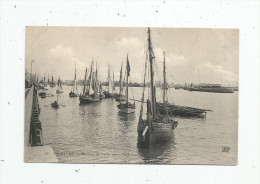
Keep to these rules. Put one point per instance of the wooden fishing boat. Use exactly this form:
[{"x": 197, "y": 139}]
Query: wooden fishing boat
[
  {"x": 176, "y": 110},
  {"x": 110, "y": 88},
  {"x": 120, "y": 97},
  {"x": 59, "y": 87},
  {"x": 74, "y": 91},
  {"x": 90, "y": 89},
  {"x": 126, "y": 107},
  {"x": 156, "y": 128},
  {"x": 42, "y": 93},
  {"x": 55, "y": 104},
  {"x": 52, "y": 83}
]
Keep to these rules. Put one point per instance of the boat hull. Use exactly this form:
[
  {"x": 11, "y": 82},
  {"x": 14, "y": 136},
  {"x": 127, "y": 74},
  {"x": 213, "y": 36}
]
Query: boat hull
[
  {"x": 181, "y": 111},
  {"x": 126, "y": 110},
  {"x": 59, "y": 91},
  {"x": 55, "y": 106},
  {"x": 71, "y": 94},
  {"x": 160, "y": 132},
  {"x": 87, "y": 100},
  {"x": 109, "y": 95}
]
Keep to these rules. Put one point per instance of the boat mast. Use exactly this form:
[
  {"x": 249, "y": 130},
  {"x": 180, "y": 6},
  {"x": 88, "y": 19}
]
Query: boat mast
[
  {"x": 128, "y": 68},
  {"x": 164, "y": 78},
  {"x": 120, "y": 92},
  {"x": 108, "y": 77},
  {"x": 85, "y": 80},
  {"x": 151, "y": 57},
  {"x": 90, "y": 79},
  {"x": 75, "y": 78}
]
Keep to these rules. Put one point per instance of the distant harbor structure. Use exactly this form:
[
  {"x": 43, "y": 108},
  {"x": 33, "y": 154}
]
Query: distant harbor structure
[{"x": 213, "y": 88}]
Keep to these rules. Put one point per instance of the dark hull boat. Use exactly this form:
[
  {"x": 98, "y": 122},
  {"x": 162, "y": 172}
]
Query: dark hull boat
[
  {"x": 74, "y": 92},
  {"x": 90, "y": 90},
  {"x": 55, "y": 105},
  {"x": 181, "y": 111},
  {"x": 109, "y": 95},
  {"x": 87, "y": 99},
  {"x": 173, "y": 110},
  {"x": 120, "y": 98},
  {"x": 42, "y": 94},
  {"x": 71, "y": 94},
  {"x": 156, "y": 128},
  {"x": 125, "y": 107}
]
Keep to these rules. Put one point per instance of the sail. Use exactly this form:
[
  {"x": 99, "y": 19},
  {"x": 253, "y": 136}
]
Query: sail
[
  {"x": 59, "y": 87},
  {"x": 75, "y": 82},
  {"x": 91, "y": 91},
  {"x": 110, "y": 82},
  {"x": 151, "y": 60}
]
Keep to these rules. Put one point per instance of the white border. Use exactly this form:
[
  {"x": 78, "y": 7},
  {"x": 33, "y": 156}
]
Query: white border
[{"x": 15, "y": 15}]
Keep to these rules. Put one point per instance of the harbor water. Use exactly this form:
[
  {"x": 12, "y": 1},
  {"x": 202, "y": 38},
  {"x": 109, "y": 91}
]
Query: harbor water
[{"x": 97, "y": 133}]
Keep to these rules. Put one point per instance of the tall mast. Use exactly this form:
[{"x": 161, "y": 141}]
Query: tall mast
[
  {"x": 151, "y": 57},
  {"x": 164, "y": 78},
  {"x": 85, "y": 80},
  {"x": 75, "y": 79},
  {"x": 127, "y": 68},
  {"x": 113, "y": 87},
  {"x": 108, "y": 77},
  {"x": 121, "y": 79}
]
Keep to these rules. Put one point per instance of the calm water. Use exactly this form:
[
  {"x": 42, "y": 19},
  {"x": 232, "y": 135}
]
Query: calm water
[{"x": 97, "y": 133}]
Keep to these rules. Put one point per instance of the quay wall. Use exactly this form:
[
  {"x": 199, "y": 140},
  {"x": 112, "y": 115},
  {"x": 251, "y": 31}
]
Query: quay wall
[{"x": 43, "y": 153}]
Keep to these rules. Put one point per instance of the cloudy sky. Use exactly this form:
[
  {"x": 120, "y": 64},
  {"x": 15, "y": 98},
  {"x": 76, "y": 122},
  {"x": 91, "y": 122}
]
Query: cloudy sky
[{"x": 212, "y": 52}]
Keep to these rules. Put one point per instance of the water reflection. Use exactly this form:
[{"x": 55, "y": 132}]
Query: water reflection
[
  {"x": 126, "y": 118},
  {"x": 156, "y": 152}
]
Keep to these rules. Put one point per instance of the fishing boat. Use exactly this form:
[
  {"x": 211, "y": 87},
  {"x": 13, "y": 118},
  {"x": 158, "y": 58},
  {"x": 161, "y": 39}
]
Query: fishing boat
[
  {"x": 155, "y": 128},
  {"x": 74, "y": 91},
  {"x": 52, "y": 83},
  {"x": 110, "y": 88},
  {"x": 120, "y": 97},
  {"x": 55, "y": 104},
  {"x": 59, "y": 87},
  {"x": 42, "y": 93},
  {"x": 100, "y": 91},
  {"x": 173, "y": 110},
  {"x": 126, "y": 107},
  {"x": 90, "y": 89}
]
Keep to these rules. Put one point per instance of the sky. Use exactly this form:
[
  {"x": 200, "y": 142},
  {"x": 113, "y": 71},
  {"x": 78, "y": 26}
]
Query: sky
[{"x": 192, "y": 55}]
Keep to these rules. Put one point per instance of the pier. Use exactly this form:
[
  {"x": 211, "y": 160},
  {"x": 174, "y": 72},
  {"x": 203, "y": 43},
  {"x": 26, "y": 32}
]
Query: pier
[{"x": 35, "y": 149}]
